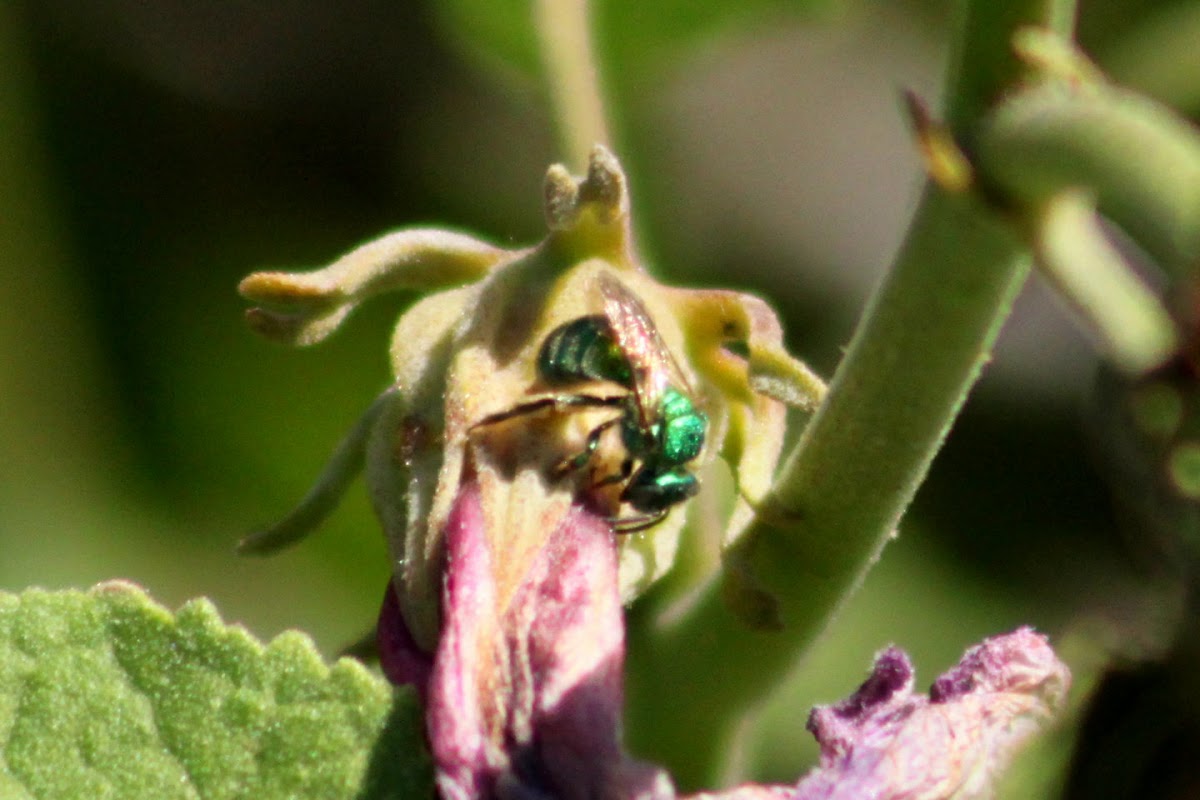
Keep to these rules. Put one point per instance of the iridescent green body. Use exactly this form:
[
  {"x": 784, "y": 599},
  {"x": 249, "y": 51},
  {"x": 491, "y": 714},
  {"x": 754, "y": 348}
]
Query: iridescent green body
[
  {"x": 662, "y": 438},
  {"x": 583, "y": 350},
  {"x": 660, "y": 426}
]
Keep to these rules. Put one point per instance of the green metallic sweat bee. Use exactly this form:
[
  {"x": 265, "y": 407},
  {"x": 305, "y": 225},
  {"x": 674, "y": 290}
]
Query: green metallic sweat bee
[{"x": 661, "y": 427}]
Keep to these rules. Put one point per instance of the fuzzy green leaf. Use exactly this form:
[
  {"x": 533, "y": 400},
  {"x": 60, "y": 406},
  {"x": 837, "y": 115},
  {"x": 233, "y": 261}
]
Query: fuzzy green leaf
[{"x": 105, "y": 694}]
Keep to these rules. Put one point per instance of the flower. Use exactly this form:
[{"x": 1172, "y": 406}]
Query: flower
[
  {"x": 884, "y": 741},
  {"x": 469, "y": 351}
]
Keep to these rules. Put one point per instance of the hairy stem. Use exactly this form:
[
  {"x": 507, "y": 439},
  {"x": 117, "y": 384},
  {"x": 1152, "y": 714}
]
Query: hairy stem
[{"x": 918, "y": 349}]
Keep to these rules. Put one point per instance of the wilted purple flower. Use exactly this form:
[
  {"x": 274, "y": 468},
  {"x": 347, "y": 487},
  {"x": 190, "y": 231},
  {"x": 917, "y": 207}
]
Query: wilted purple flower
[
  {"x": 886, "y": 742},
  {"x": 525, "y": 696}
]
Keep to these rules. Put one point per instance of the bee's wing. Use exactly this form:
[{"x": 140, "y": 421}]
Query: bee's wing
[{"x": 653, "y": 366}]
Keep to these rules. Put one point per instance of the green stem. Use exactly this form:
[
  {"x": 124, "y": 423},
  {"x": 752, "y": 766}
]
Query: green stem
[
  {"x": 571, "y": 71},
  {"x": 919, "y": 348}
]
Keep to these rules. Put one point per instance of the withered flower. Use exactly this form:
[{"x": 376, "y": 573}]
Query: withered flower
[{"x": 887, "y": 742}]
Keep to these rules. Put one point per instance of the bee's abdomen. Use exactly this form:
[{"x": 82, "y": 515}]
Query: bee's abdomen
[{"x": 583, "y": 350}]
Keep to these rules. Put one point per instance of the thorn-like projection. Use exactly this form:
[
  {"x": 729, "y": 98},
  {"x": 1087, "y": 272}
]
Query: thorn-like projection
[{"x": 945, "y": 162}]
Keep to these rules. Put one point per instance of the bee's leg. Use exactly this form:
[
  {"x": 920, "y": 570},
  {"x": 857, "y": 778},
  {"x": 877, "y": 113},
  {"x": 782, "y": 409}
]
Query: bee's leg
[
  {"x": 577, "y": 461},
  {"x": 639, "y": 523},
  {"x": 559, "y": 403},
  {"x": 620, "y": 476}
]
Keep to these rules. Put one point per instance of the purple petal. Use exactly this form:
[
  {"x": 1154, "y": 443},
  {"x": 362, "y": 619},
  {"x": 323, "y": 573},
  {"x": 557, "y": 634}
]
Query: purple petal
[
  {"x": 525, "y": 696},
  {"x": 748, "y": 791},
  {"x": 891, "y": 676},
  {"x": 403, "y": 662},
  {"x": 886, "y": 742},
  {"x": 465, "y": 727},
  {"x": 1022, "y": 661}
]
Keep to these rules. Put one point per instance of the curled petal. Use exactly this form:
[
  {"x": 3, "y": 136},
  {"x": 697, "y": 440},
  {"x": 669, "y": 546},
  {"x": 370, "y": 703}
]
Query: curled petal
[
  {"x": 736, "y": 343},
  {"x": 1021, "y": 663},
  {"x": 525, "y": 696},
  {"x": 886, "y": 742}
]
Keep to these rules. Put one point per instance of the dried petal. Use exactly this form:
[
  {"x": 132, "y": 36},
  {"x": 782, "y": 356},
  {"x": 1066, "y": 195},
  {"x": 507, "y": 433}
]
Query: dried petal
[
  {"x": 748, "y": 791},
  {"x": 525, "y": 697},
  {"x": 886, "y": 742}
]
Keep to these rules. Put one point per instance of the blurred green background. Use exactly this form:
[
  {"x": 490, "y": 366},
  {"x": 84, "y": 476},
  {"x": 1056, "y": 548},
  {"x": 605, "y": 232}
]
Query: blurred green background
[{"x": 151, "y": 154}]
